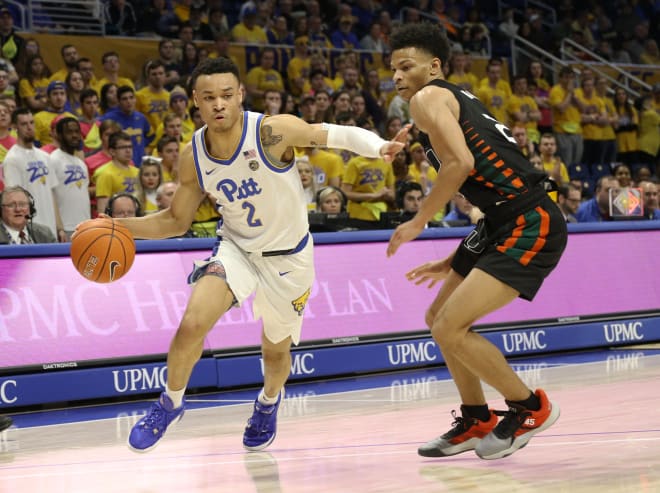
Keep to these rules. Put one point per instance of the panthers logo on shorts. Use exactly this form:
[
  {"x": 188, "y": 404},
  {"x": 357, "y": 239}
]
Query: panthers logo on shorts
[{"x": 300, "y": 302}]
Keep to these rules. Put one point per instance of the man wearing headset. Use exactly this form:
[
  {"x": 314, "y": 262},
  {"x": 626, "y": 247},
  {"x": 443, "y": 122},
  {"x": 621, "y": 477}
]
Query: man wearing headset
[
  {"x": 17, "y": 227},
  {"x": 123, "y": 205}
]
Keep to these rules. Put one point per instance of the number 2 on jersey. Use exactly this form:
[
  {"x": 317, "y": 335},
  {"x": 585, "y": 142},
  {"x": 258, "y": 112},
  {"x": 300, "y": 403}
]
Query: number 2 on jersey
[{"x": 252, "y": 222}]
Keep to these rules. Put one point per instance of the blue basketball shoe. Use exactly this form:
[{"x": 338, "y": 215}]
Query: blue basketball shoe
[
  {"x": 151, "y": 428},
  {"x": 262, "y": 426}
]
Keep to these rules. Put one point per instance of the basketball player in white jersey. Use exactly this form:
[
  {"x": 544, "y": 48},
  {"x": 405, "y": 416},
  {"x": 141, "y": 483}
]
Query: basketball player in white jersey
[{"x": 245, "y": 161}]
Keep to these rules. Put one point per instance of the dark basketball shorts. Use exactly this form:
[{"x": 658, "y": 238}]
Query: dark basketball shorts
[{"x": 520, "y": 250}]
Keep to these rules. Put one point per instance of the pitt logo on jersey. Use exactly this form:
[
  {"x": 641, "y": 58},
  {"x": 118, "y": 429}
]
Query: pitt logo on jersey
[{"x": 234, "y": 191}]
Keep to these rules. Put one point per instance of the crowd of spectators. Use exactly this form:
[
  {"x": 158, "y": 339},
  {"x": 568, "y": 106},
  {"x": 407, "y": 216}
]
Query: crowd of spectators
[{"x": 79, "y": 140}]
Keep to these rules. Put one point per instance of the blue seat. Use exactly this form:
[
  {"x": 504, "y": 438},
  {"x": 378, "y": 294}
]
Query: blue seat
[
  {"x": 600, "y": 170},
  {"x": 579, "y": 172},
  {"x": 588, "y": 189}
]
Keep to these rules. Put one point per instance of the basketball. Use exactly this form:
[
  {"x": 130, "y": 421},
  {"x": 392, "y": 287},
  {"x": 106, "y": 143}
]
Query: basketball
[{"x": 102, "y": 250}]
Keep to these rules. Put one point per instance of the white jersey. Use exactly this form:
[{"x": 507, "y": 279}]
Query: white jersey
[
  {"x": 261, "y": 200},
  {"x": 30, "y": 169},
  {"x": 72, "y": 193}
]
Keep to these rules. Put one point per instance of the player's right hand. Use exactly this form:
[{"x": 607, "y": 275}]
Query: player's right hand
[
  {"x": 390, "y": 148},
  {"x": 431, "y": 272}
]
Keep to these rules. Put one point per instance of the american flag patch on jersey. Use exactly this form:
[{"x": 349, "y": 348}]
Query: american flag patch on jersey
[{"x": 251, "y": 154}]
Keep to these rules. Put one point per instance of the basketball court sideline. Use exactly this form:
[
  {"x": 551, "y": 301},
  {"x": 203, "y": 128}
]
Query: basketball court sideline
[{"x": 358, "y": 434}]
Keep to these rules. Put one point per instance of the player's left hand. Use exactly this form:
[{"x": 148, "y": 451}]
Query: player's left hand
[
  {"x": 389, "y": 149},
  {"x": 403, "y": 233}
]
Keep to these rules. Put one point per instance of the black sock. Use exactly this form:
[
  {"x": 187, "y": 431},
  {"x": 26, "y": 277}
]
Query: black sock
[
  {"x": 532, "y": 402},
  {"x": 482, "y": 413}
]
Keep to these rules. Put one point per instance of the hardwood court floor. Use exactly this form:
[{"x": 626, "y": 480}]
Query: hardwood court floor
[{"x": 607, "y": 440}]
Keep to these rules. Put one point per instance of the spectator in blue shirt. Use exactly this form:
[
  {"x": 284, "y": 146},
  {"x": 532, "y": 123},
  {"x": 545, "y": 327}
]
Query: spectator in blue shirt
[
  {"x": 344, "y": 37},
  {"x": 131, "y": 121},
  {"x": 598, "y": 208},
  {"x": 650, "y": 197}
]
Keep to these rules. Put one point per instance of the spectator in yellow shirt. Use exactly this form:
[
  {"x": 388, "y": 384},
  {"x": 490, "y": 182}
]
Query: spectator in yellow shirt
[
  {"x": 493, "y": 94},
  {"x": 552, "y": 164},
  {"x": 420, "y": 170},
  {"x": 248, "y": 31},
  {"x": 56, "y": 100},
  {"x": 566, "y": 117},
  {"x": 261, "y": 78},
  {"x": 593, "y": 120},
  {"x": 459, "y": 75},
  {"x": 298, "y": 68},
  {"x": 369, "y": 186},
  {"x": 153, "y": 99},
  {"x": 522, "y": 109},
  {"x": 110, "y": 62}
]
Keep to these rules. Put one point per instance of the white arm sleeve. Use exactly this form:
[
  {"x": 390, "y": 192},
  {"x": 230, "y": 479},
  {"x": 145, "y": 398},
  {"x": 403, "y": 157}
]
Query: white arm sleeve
[{"x": 355, "y": 139}]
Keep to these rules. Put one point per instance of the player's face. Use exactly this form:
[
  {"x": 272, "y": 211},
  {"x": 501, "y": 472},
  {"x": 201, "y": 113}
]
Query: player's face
[
  {"x": 413, "y": 69},
  {"x": 219, "y": 98}
]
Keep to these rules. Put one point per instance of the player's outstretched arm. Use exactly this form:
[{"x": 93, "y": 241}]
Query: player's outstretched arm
[
  {"x": 435, "y": 111},
  {"x": 175, "y": 220},
  {"x": 294, "y": 131}
]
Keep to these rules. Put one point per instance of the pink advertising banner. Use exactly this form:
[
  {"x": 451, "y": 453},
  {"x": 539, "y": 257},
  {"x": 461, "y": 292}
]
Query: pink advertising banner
[{"x": 49, "y": 313}]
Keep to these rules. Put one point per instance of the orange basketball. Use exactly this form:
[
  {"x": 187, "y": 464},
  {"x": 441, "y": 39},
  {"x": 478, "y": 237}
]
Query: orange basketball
[{"x": 102, "y": 250}]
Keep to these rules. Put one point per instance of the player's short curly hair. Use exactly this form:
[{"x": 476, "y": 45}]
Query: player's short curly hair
[
  {"x": 423, "y": 36},
  {"x": 210, "y": 66}
]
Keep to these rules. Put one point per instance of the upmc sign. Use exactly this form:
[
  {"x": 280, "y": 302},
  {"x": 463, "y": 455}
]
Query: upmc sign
[{"x": 49, "y": 313}]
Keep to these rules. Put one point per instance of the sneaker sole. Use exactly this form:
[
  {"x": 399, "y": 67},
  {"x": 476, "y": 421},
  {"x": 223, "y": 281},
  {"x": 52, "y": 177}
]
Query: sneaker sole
[
  {"x": 522, "y": 440},
  {"x": 149, "y": 449},
  {"x": 466, "y": 446},
  {"x": 258, "y": 448}
]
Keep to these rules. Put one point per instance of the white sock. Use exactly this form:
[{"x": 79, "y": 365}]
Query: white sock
[
  {"x": 175, "y": 395},
  {"x": 268, "y": 401}
]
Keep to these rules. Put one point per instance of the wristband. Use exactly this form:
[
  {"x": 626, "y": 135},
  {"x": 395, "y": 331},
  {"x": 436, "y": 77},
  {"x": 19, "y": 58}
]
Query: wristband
[{"x": 355, "y": 139}]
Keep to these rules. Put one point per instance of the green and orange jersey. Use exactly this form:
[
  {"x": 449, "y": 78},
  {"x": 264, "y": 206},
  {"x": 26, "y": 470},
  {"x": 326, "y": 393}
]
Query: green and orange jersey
[{"x": 501, "y": 173}]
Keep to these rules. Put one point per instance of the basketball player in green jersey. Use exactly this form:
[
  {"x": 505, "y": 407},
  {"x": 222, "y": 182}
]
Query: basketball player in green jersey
[{"x": 506, "y": 256}]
